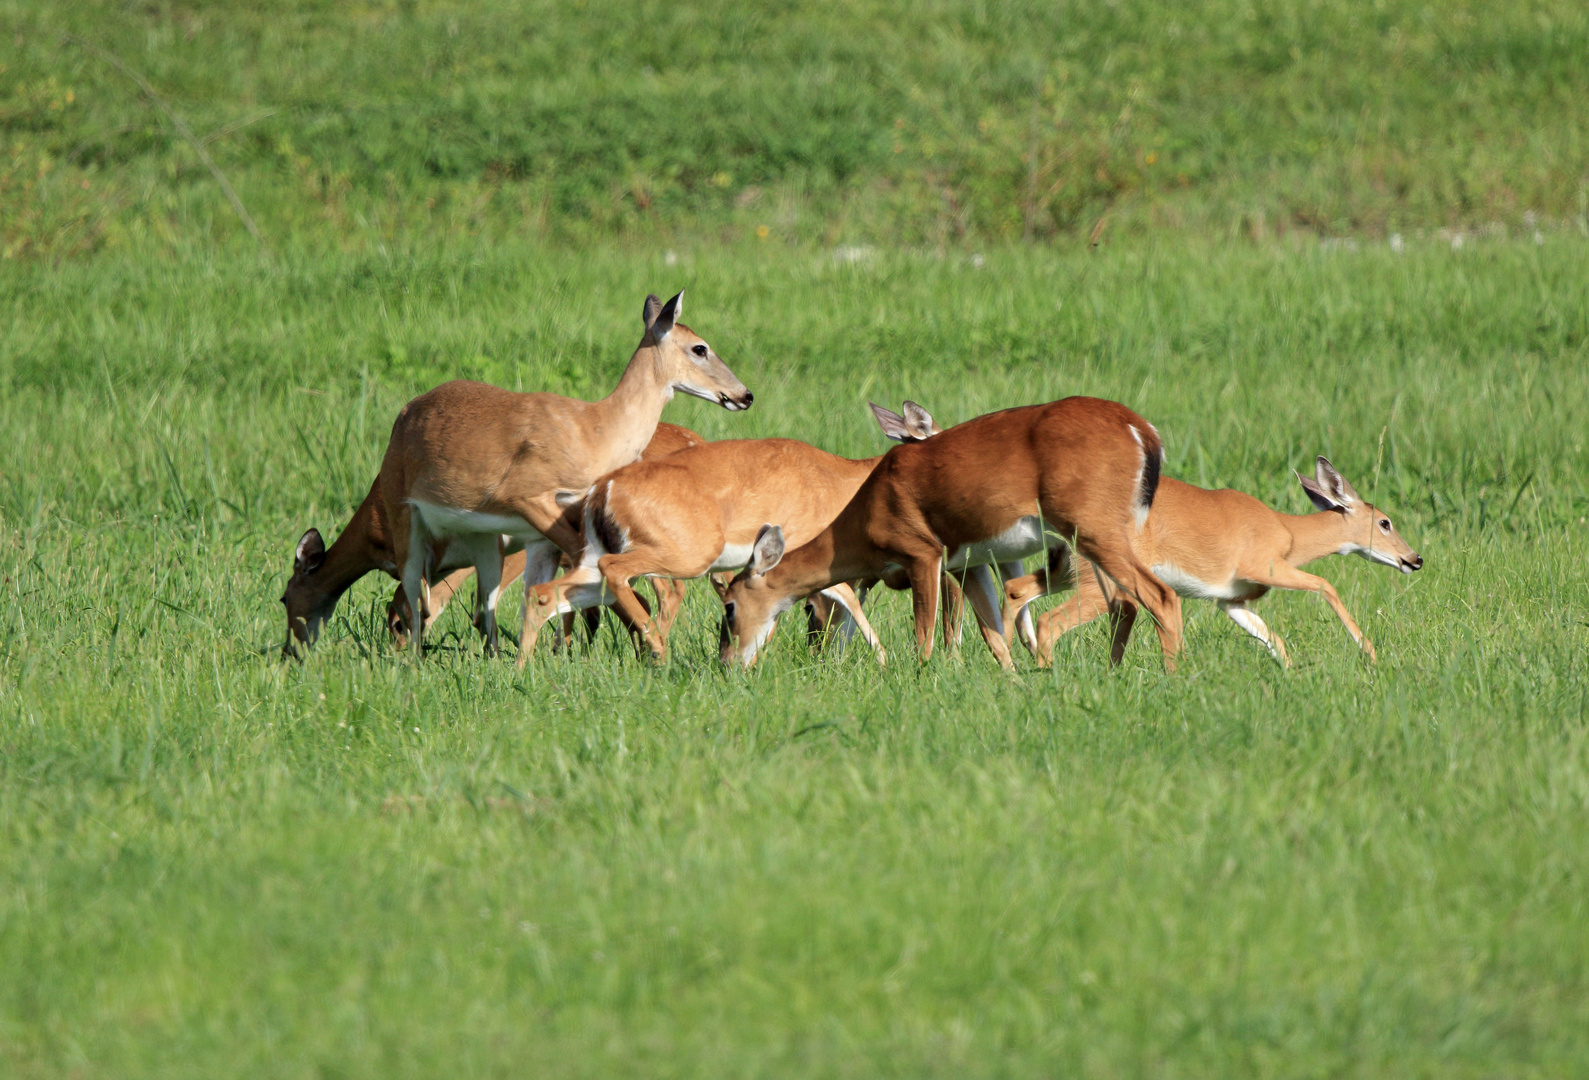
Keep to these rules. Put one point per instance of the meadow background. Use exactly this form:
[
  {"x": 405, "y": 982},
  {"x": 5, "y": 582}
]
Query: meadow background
[{"x": 1358, "y": 229}]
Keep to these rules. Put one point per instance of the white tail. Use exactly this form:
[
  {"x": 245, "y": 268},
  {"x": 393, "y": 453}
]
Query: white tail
[
  {"x": 1230, "y": 548},
  {"x": 473, "y": 472},
  {"x": 995, "y": 489}
]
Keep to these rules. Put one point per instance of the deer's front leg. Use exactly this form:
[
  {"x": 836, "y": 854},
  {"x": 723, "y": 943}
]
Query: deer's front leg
[{"x": 924, "y": 575}]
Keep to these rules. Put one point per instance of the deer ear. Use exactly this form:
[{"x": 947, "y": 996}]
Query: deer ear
[
  {"x": 648, "y": 314},
  {"x": 1320, "y": 497},
  {"x": 667, "y": 315},
  {"x": 720, "y": 584},
  {"x": 1334, "y": 482},
  {"x": 920, "y": 421},
  {"x": 893, "y": 424},
  {"x": 767, "y": 551},
  {"x": 310, "y": 553}
]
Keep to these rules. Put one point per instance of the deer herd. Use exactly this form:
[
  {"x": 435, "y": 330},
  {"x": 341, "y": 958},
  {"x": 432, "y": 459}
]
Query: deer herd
[{"x": 486, "y": 482}]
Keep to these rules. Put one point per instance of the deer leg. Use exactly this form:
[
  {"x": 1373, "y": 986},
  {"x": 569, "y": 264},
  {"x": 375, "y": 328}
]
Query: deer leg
[
  {"x": 924, "y": 576},
  {"x": 1140, "y": 585},
  {"x": 954, "y": 609},
  {"x": 670, "y": 601},
  {"x": 617, "y": 572},
  {"x": 1020, "y": 621},
  {"x": 414, "y": 590},
  {"x": 1249, "y": 621},
  {"x": 579, "y": 588},
  {"x": 1089, "y": 603},
  {"x": 845, "y": 600},
  {"x": 488, "y": 578},
  {"x": 1284, "y": 576},
  {"x": 982, "y": 590}
]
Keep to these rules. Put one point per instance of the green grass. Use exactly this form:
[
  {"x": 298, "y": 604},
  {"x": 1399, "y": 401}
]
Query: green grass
[
  {"x": 216, "y": 863},
  {"x": 945, "y": 123}
]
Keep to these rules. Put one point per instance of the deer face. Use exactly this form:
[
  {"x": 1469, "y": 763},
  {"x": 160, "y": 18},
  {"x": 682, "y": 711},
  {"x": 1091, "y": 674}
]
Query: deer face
[
  {"x": 308, "y": 601},
  {"x": 687, "y": 361},
  {"x": 751, "y": 605},
  {"x": 1365, "y": 529}
]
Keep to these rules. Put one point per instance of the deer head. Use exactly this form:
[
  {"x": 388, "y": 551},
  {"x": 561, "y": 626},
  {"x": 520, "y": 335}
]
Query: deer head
[
  {"x": 1363, "y": 528},
  {"x": 686, "y": 361}
]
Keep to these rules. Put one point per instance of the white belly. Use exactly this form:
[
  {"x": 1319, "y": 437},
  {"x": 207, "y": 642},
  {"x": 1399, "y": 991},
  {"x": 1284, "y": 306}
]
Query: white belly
[
  {"x": 448, "y": 521},
  {"x": 1019, "y": 541},
  {"x": 732, "y": 557},
  {"x": 1194, "y": 588}
]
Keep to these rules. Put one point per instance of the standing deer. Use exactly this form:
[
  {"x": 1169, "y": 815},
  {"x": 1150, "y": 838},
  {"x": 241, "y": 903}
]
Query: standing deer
[
  {"x": 916, "y": 424},
  {"x": 667, "y": 439},
  {"x": 1228, "y": 547},
  {"x": 993, "y": 489},
  {"x": 473, "y": 471}
]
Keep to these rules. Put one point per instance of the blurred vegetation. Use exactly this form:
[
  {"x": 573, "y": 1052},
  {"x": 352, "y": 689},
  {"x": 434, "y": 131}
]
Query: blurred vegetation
[{"x": 916, "y": 123}]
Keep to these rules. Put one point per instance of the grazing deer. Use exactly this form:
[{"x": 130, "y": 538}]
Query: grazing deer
[
  {"x": 473, "y": 471},
  {"x": 917, "y": 425},
  {"x": 995, "y": 489},
  {"x": 667, "y": 439},
  {"x": 1230, "y": 548}
]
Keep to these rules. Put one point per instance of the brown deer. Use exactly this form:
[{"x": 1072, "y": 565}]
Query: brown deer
[
  {"x": 472, "y": 472},
  {"x": 1228, "y": 547},
  {"x": 670, "y": 594},
  {"x": 991, "y": 490}
]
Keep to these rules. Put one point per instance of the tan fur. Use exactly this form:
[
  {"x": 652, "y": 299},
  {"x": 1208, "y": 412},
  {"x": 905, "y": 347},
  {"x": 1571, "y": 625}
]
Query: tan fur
[
  {"x": 1077, "y": 462},
  {"x": 667, "y": 439},
  {"x": 1226, "y": 542},
  {"x": 679, "y": 513},
  {"x": 473, "y": 449}
]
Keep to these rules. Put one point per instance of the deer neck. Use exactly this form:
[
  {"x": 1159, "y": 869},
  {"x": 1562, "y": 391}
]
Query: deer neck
[
  {"x": 807, "y": 568},
  {"x": 626, "y": 419},
  {"x": 1313, "y": 536},
  {"x": 364, "y": 545}
]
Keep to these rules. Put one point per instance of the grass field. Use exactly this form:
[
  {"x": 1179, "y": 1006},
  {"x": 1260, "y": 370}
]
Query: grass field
[
  {"x": 213, "y": 862},
  {"x": 1326, "y": 227}
]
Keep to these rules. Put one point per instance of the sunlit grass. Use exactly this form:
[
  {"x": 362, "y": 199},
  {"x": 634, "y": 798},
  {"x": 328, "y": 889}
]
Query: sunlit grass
[{"x": 216, "y": 863}]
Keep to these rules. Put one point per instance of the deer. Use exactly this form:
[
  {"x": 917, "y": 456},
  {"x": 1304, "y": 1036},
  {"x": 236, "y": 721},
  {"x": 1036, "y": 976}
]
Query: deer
[
  {"x": 473, "y": 472},
  {"x": 670, "y": 594},
  {"x": 1228, "y": 547},
  {"x": 1001, "y": 487},
  {"x": 688, "y": 515},
  {"x": 915, "y": 424},
  {"x": 698, "y": 511}
]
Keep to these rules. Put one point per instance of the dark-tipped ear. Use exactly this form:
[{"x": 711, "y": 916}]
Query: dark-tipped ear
[
  {"x": 767, "y": 551},
  {"x": 310, "y": 553},
  {"x": 667, "y": 315},
  {"x": 893, "y": 424},
  {"x": 648, "y": 314},
  {"x": 1334, "y": 482},
  {"x": 919, "y": 421},
  {"x": 1320, "y": 497}
]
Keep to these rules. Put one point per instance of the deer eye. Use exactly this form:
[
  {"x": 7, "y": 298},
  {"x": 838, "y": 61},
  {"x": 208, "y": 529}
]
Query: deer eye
[
  {"x": 1384, "y": 524},
  {"x": 699, "y": 350}
]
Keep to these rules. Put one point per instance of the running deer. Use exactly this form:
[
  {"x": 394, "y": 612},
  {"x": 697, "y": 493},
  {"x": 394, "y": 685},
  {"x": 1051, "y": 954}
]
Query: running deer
[
  {"x": 1230, "y": 548},
  {"x": 670, "y": 594},
  {"x": 995, "y": 489},
  {"x": 473, "y": 471},
  {"x": 692, "y": 513},
  {"x": 917, "y": 425}
]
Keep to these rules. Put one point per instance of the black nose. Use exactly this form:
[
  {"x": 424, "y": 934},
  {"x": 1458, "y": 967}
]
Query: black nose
[
  {"x": 1417, "y": 562},
  {"x": 749, "y": 399}
]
